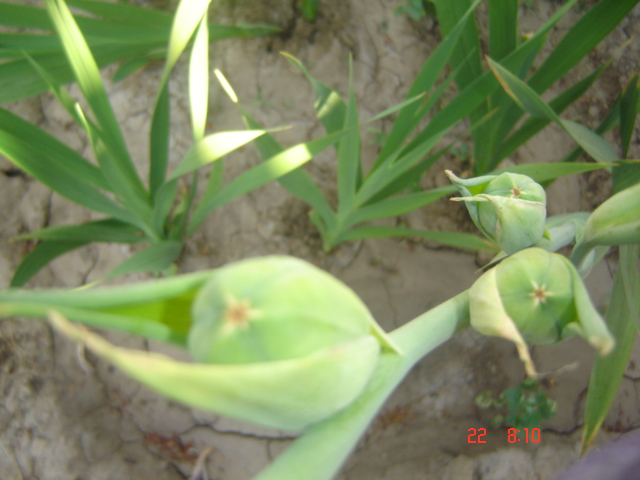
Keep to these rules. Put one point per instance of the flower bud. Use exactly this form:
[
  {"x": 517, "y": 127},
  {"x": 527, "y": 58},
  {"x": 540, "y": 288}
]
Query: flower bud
[
  {"x": 536, "y": 297},
  {"x": 278, "y": 342},
  {"x": 273, "y": 308},
  {"x": 510, "y": 209}
]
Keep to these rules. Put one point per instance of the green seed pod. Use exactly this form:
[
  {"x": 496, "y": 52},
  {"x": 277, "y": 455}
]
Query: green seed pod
[
  {"x": 536, "y": 297},
  {"x": 278, "y": 342},
  {"x": 510, "y": 209},
  {"x": 274, "y": 308}
]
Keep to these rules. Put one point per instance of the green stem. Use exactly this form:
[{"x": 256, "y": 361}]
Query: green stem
[
  {"x": 321, "y": 451},
  {"x": 579, "y": 254}
]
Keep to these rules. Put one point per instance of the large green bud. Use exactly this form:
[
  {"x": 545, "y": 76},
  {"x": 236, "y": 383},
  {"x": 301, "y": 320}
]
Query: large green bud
[
  {"x": 277, "y": 342},
  {"x": 274, "y": 308},
  {"x": 536, "y": 297},
  {"x": 509, "y": 209}
]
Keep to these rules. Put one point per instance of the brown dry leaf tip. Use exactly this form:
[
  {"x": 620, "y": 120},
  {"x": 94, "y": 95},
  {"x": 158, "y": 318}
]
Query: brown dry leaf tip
[
  {"x": 516, "y": 192},
  {"x": 238, "y": 313}
]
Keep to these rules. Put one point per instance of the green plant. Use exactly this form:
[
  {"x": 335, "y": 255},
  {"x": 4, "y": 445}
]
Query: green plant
[
  {"x": 270, "y": 335},
  {"x": 526, "y": 405},
  {"x": 386, "y": 190},
  {"x": 497, "y": 138},
  {"x": 309, "y": 9},
  {"x": 160, "y": 213},
  {"x": 117, "y": 32},
  {"x": 338, "y": 340},
  {"x": 416, "y": 9}
]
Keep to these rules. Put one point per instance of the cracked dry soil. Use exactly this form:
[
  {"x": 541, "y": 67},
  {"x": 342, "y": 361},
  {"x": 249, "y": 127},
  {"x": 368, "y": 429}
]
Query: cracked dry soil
[{"x": 66, "y": 415}]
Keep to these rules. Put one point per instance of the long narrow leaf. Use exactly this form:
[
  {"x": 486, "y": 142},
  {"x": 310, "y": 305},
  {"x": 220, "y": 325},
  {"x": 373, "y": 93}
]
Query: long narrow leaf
[
  {"x": 298, "y": 182},
  {"x": 608, "y": 371},
  {"x": 466, "y": 101},
  {"x": 454, "y": 239},
  {"x": 466, "y": 61},
  {"x": 88, "y": 76},
  {"x": 379, "y": 179},
  {"x": 628, "y": 174},
  {"x": 199, "y": 80},
  {"x": 273, "y": 168},
  {"x": 187, "y": 18},
  {"x": 159, "y": 141},
  {"x": 393, "y": 207},
  {"x": 529, "y": 101},
  {"x": 629, "y": 108},
  {"x": 123, "y": 13},
  {"x": 408, "y": 179},
  {"x": 108, "y": 230},
  {"x": 450, "y": 14},
  {"x": 407, "y": 120},
  {"x": 46, "y": 166},
  {"x": 159, "y": 310},
  {"x": 155, "y": 258},
  {"x": 503, "y": 27},
  {"x": 581, "y": 39},
  {"x": 349, "y": 166},
  {"x": 39, "y": 257},
  {"x": 18, "y": 80},
  {"x": 543, "y": 172},
  {"x": 61, "y": 157},
  {"x": 213, "y": 147},
  {"x": 330, "y": 108},
  {"x": 534, "y": 125}
]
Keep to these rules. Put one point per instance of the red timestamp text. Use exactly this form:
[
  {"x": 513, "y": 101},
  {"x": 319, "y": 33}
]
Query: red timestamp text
[
  {"x": 525, "y": 435},
  {"x": 530, "y": 435},
  {"x": 478, "y": 433}
]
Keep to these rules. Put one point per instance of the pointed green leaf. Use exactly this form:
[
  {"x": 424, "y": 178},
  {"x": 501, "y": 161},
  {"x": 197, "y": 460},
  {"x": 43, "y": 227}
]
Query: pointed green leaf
[
  {"x": 349, "y": 167},
  {"x": 123, "y": 13},
  {"x": 131, "y": 66},
  {"x": 408, "y": 119},
  {"x": 213, "y": 147},
  {"x": 329, "y": 106},
  {"x": 199, "y": 80},
  {"x": 268, "y": 393},
  {"x": 454, "y": 239},
  {"x": 629, "y": 109},
  {"x": 39, "y": 257},
  {"x": 607, "y": 371},
  {"x": 185, "y": 22},
  {"x": 581, "y": 39},
  {"x": 503, "y": 27},
  {"x": 271, "y": 169},
  {"x": 298, "y": 182},
  {"x": 108, "y": 230},
  {"x": 530, "y": 102},
  {"x": 393, "y": 207},
  {"x": 408, "y": 179},
  {"x": 88, "y": 76},
  {"x": 533, "y": 125},
  {"x": 543, "y": 172},
  {"x": 155, "y": 258},
  {"x": 159, "y": 309},
  {"x": 44, "y": 158}
]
